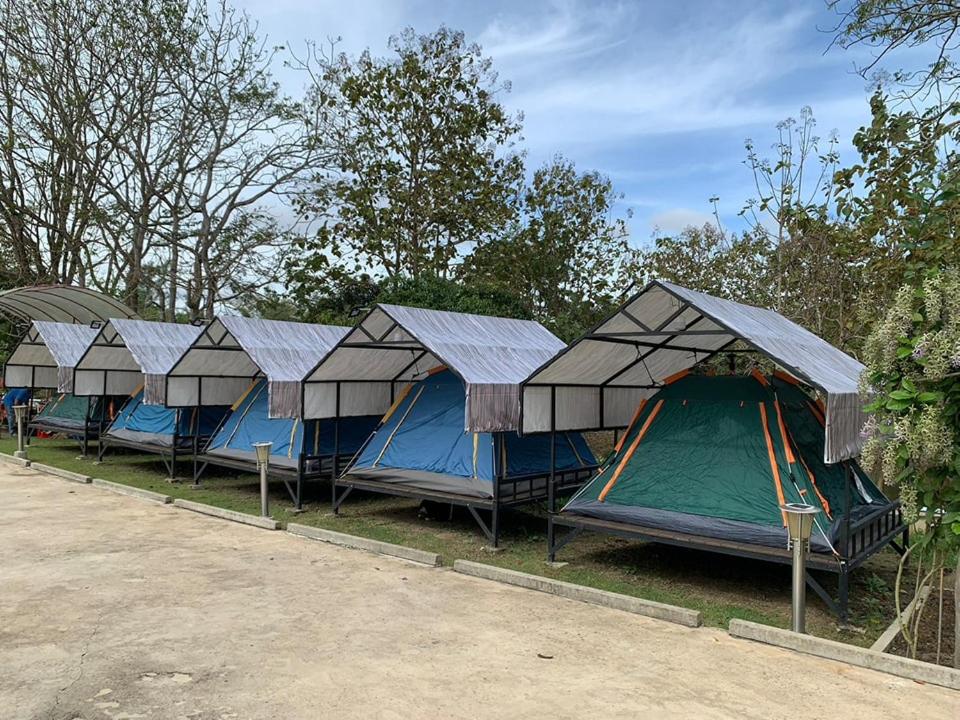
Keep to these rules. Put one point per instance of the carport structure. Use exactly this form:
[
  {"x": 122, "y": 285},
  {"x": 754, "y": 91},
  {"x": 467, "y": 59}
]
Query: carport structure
[
  {"x": 394, "y": 346},
  {"x": 45, "y": 359},
  {"x": 221, "y": 366},
  {"x": 132, "y": 357},
  {"x": 658, "y": 334}
]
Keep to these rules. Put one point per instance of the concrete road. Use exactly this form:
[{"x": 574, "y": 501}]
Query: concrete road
[{"x": 112, "y": 607}]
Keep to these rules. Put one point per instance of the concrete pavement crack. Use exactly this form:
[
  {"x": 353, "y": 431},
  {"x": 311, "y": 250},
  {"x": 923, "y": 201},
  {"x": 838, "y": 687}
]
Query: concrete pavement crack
[{"x": 83, "y": 657}]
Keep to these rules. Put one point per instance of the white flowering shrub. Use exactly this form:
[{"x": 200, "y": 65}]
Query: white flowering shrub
[{"x": 913, "y": 381}]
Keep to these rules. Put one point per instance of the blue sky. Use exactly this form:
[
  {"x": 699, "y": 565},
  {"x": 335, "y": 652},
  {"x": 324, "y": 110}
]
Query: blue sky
[{"x": 660, "y": 96}]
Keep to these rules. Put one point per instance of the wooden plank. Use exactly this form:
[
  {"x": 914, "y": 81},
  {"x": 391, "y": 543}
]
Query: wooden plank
[{"x": 891, "y": 633}]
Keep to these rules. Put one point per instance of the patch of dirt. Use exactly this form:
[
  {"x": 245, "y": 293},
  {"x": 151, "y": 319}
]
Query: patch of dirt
[{"x": 929, "y": 622}]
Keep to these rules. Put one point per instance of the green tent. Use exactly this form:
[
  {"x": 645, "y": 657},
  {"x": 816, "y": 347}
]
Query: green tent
[
  {"x": 715, "y": 456},
  {"x": 68, "y": 412}
]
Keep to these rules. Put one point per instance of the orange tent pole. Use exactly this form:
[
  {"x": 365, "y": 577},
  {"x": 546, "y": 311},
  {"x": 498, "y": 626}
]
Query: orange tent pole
[
  {"x": 773, "y": 460},
  {"x": 633, "y": 446}
]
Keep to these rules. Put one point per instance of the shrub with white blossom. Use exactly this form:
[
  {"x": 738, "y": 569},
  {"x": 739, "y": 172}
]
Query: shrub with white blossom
[
  {"x": 913, "y": 381},
  {"x": 913, "y": 374}
]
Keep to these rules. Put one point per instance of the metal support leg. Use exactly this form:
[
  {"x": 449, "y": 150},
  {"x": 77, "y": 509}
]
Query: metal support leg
[
  {"x": 338, "y": 500},
  {"x": 551, "y": 530},
  {"x": 495, "y": 524},
  {"x": 843, "y": 587},
  {"x": 552, "y": 478},
  {"x": 483, "y": 526}
]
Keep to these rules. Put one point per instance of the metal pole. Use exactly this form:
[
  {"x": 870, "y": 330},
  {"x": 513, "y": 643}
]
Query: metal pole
[
  {"x": 264, "y": 495},
  {"x": 263, "y": 463},
  {"x": 20, "y": 412},
  {"x": 551, "y": 499},
  {"x": 800, "y": 519},
  {"x": 799, "y": 606}
]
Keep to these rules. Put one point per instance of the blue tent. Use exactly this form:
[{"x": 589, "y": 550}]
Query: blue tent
[
  {"x": 421, "y": 443},
  {"x": 159, "y": 426},
  {"x": 250, "y": 422}
]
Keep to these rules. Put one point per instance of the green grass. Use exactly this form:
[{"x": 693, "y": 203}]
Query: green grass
[{"x": 720, "y": 587}]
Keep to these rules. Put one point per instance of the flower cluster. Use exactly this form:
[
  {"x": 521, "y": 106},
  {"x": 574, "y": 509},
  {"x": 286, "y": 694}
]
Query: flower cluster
[{"x": 912, "y": 359}]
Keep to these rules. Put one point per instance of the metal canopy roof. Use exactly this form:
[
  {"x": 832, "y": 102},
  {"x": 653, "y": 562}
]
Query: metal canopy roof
[
  {"x": 232, "y": 350},
  {"x": 396, "y": 345},
  {"x": 665, "y": 329},
  {"x": 61, "y": 303},
  {"x": 47, "y": 354},
  {"x": 129, "y": 353}
]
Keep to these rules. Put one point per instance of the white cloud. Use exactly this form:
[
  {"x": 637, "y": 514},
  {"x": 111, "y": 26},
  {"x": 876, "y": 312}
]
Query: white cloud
[
  {"x": 703, "y": 72},
  {"x": 675, "y": 220},
  {"x": 566, "y": 30}
]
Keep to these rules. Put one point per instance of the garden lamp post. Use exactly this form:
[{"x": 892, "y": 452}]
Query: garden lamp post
[
  {"x": 800, "y": 517},
  {"x": 263, "y": 462},
  {"x": 20, "y": 413}
]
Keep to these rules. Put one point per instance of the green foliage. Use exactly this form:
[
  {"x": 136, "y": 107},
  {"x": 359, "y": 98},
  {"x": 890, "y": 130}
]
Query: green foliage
[
  {"x": 913, "y": 372},
  {"x": 442, "y": 294},
  {"x": 910, "y": 205},
  {"x": 707, "y": 259},
  {"x": 423, "y": 158},
  {"x": 566, "y": 253},
  {"x": 891, "y": 25},
  {"x": 270, "y": 305},
  {"x": 343, "y": 296}
]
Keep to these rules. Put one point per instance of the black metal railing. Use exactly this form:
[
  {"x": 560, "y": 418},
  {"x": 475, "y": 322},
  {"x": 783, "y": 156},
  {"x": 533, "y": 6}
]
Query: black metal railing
[{"x": 874, "y": 529}]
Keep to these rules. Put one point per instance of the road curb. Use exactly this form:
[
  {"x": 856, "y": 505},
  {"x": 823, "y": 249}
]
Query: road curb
[
  {"x": 627, "y": 603},
  {"x": 22, "y": 462},
  {"x": 233, "y": 515},
  {"x": 132, "y": 491},
  {"x": 65, "y": 474},
  {"x": 361, "y": 543},
  {"x": 850, "y": 654}
]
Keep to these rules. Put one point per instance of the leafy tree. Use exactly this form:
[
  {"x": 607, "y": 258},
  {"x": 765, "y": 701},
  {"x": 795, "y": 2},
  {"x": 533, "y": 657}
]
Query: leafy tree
[
  {"x": 345, "y": 296},
  {"x": 567, "y": 254},
  {"x": 708, "y": 259},
  {"x": 910, "y": 205},
  {"x": 891, "y": 25},
  {"x": 789, "y": 188},
  {"x": 901, "y": 198},
  {"x": 270, "y": 304},
  {"x": 140, "y": 136},
  {"x": 424, "y": 160},
  {"x": 913, "y": 370},
  {"x": 444, "y": 294}
]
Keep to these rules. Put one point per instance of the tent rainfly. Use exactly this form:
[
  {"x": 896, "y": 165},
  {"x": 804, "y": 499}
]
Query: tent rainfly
[
  {"x": 128, "y": 354},
  {"x": 47, "y": 354},
  {"x": 598, "y": 381},
  {"x": 395, "y": 345},
  {"x": 231, "y": 352},
  {"x": 259, "y": 365},
  {"x": 450, "y": 386}
]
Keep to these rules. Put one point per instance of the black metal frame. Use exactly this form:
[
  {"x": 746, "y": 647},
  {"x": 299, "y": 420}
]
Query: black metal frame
[
  {"x": 509, "y": 492},
  {"x": 168, "y": 454},
  {"x": 874, "y": 532},
  {"x": 292, "y": 477},
  {"x": 91, "y": 431}
]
